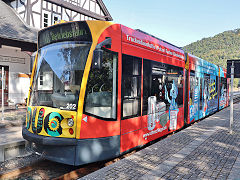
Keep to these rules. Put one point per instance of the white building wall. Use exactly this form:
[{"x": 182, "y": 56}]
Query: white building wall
[
  {"x": 37, "y": 22},
  {"x": 76, "y": 16},
  {"x": 66, "y": 13},
  {"x": 17, "y": 86},
  {"x": 14, "y": 5},
  {"x": 37, "y": 16},
  {"x": 45, "y": 4},
  {"x": 21, "y": 8},
  {"x": 92, "y": 6}
]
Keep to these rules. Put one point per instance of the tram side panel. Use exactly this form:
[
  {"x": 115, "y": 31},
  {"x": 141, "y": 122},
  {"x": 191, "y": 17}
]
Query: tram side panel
[
  {"x": 203, "y": 96},
  {"x": 154, "y": 85}
]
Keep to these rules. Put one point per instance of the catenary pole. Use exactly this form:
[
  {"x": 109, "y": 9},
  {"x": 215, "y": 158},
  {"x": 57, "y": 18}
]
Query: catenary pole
[
  {"x": 231, "y": 98},
  {"x": 2, "y": 93}
]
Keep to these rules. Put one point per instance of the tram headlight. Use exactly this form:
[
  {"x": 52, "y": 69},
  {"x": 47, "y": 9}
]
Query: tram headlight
[{"x": 70, "y": 122}]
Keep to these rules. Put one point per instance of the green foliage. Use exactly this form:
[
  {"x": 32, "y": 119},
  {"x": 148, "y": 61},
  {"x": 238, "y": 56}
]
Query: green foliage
[
  {"x": 235, "y": 83},
  {"x": 217, "y": 49}
]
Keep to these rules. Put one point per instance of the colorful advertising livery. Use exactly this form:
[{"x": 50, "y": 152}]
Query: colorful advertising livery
[
  {"x": 44, "y": 121},
  {"x": 100, "y": 89},
  {"x": 205, "y": 81}
]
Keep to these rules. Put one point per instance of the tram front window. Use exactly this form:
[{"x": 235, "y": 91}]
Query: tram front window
[{"x": 59, "y": 74}]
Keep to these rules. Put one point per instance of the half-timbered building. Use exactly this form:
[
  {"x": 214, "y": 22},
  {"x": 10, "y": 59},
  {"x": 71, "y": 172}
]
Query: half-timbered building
[
  {"x": 20, "y": 21},
  {"x": 42, "y": 13}
]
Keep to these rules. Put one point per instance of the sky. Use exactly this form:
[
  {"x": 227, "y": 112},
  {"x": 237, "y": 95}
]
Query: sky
[{"x": 179, "y": 22}]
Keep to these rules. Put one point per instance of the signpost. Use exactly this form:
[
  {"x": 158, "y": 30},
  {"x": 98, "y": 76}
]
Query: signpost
[
  {"x": 2, "y": 78},
  {"x": 233, "y": 70},
  {"x": 236, "y": 68}
]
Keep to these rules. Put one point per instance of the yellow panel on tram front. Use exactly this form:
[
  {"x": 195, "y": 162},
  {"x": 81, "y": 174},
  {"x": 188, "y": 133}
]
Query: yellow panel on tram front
[{"x": 53, "y": 122}]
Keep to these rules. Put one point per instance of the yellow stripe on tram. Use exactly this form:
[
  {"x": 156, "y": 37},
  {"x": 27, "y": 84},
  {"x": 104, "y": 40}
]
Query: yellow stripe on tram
[
  {"x": 32, "y": 75},
  {"x": 96, "y": 28}
]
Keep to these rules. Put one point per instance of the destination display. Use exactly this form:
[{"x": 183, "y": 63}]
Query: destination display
[
  {"x": 147, "y": 41},
  {"x": 75, "y": 31}
]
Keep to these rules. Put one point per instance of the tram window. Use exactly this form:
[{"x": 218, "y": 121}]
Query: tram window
[
  {"x": 193, "y": 84},
  {"x": 223, "y": 85},
  {"x": 131, "y": 86},
  {"x": 206, "y": 87},
  {"x": 212, "y": 89},
  {"x": 223, "y": 90},
  {"x": 157, "y": 78},
  {"x": 201, "y": 93},
  {"x": 216, "y": 87},
  {"x": 175, "y": 78},
  {"x": 58, "y": 75},
  {"x": 147, "y": 71},
  {"x": 102, "y": 87}
]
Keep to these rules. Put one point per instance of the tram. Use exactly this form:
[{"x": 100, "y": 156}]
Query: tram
[{"x": 99, "y": 89}]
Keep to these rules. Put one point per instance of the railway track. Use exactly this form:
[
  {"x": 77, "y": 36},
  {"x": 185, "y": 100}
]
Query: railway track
[
  {"x": 236, "y": 99},
  {"x": 45, "y": 169}
]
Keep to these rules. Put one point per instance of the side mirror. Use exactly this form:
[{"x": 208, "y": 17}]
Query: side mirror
[
  {"x": 98, "y": 53},
  {"x": 97, "y": 59}
]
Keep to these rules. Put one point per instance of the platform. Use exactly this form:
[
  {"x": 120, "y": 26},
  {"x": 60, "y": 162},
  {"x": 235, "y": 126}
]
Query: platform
[
  {"x": 205, "y": 150},
  {"x": 12, "y": 143}
]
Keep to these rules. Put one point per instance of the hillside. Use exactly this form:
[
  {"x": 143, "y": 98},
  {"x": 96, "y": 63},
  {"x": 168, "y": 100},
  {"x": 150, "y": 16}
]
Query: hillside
[{"x": 217, "y": 49}]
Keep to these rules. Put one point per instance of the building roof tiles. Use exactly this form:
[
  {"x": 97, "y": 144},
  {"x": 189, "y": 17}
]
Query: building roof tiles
[{"x": 13, "y": 27}]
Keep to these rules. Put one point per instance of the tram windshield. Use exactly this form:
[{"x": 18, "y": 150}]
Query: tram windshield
[{"x": 58, "y": 75}]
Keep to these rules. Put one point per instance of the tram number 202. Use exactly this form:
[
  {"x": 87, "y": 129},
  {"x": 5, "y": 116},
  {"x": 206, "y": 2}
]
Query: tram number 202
[{"x": 71, "y": 106}]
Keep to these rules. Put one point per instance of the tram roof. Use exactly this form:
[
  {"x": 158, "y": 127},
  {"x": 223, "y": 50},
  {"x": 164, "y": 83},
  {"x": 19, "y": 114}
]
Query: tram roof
[{"x": 157, "y": 38}]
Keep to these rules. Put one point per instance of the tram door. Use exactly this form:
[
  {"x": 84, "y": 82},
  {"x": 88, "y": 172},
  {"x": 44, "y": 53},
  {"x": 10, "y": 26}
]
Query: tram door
[
  {"x": 194, "y": 97},
  {"x": 5, "y": 84},
  {"x": 131, "y": 102}
]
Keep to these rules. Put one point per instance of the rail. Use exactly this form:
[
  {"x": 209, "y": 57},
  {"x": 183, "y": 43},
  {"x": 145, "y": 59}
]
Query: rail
[{"x": 236, "y": 96}]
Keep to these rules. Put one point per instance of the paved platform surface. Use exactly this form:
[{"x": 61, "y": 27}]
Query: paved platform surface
[
  {"x": 205, "y": 150},
  {"x": 12, "y": 143},
  {"x": 11, "y": 134},
  {"x": 11, "y": 126}
]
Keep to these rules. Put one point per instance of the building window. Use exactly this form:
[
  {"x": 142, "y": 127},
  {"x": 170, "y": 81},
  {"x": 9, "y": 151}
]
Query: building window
[
  {"x": 45, "y": 20},
  {"x": 41, "y": 78},
  {"x": 56, "y": 18}
]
